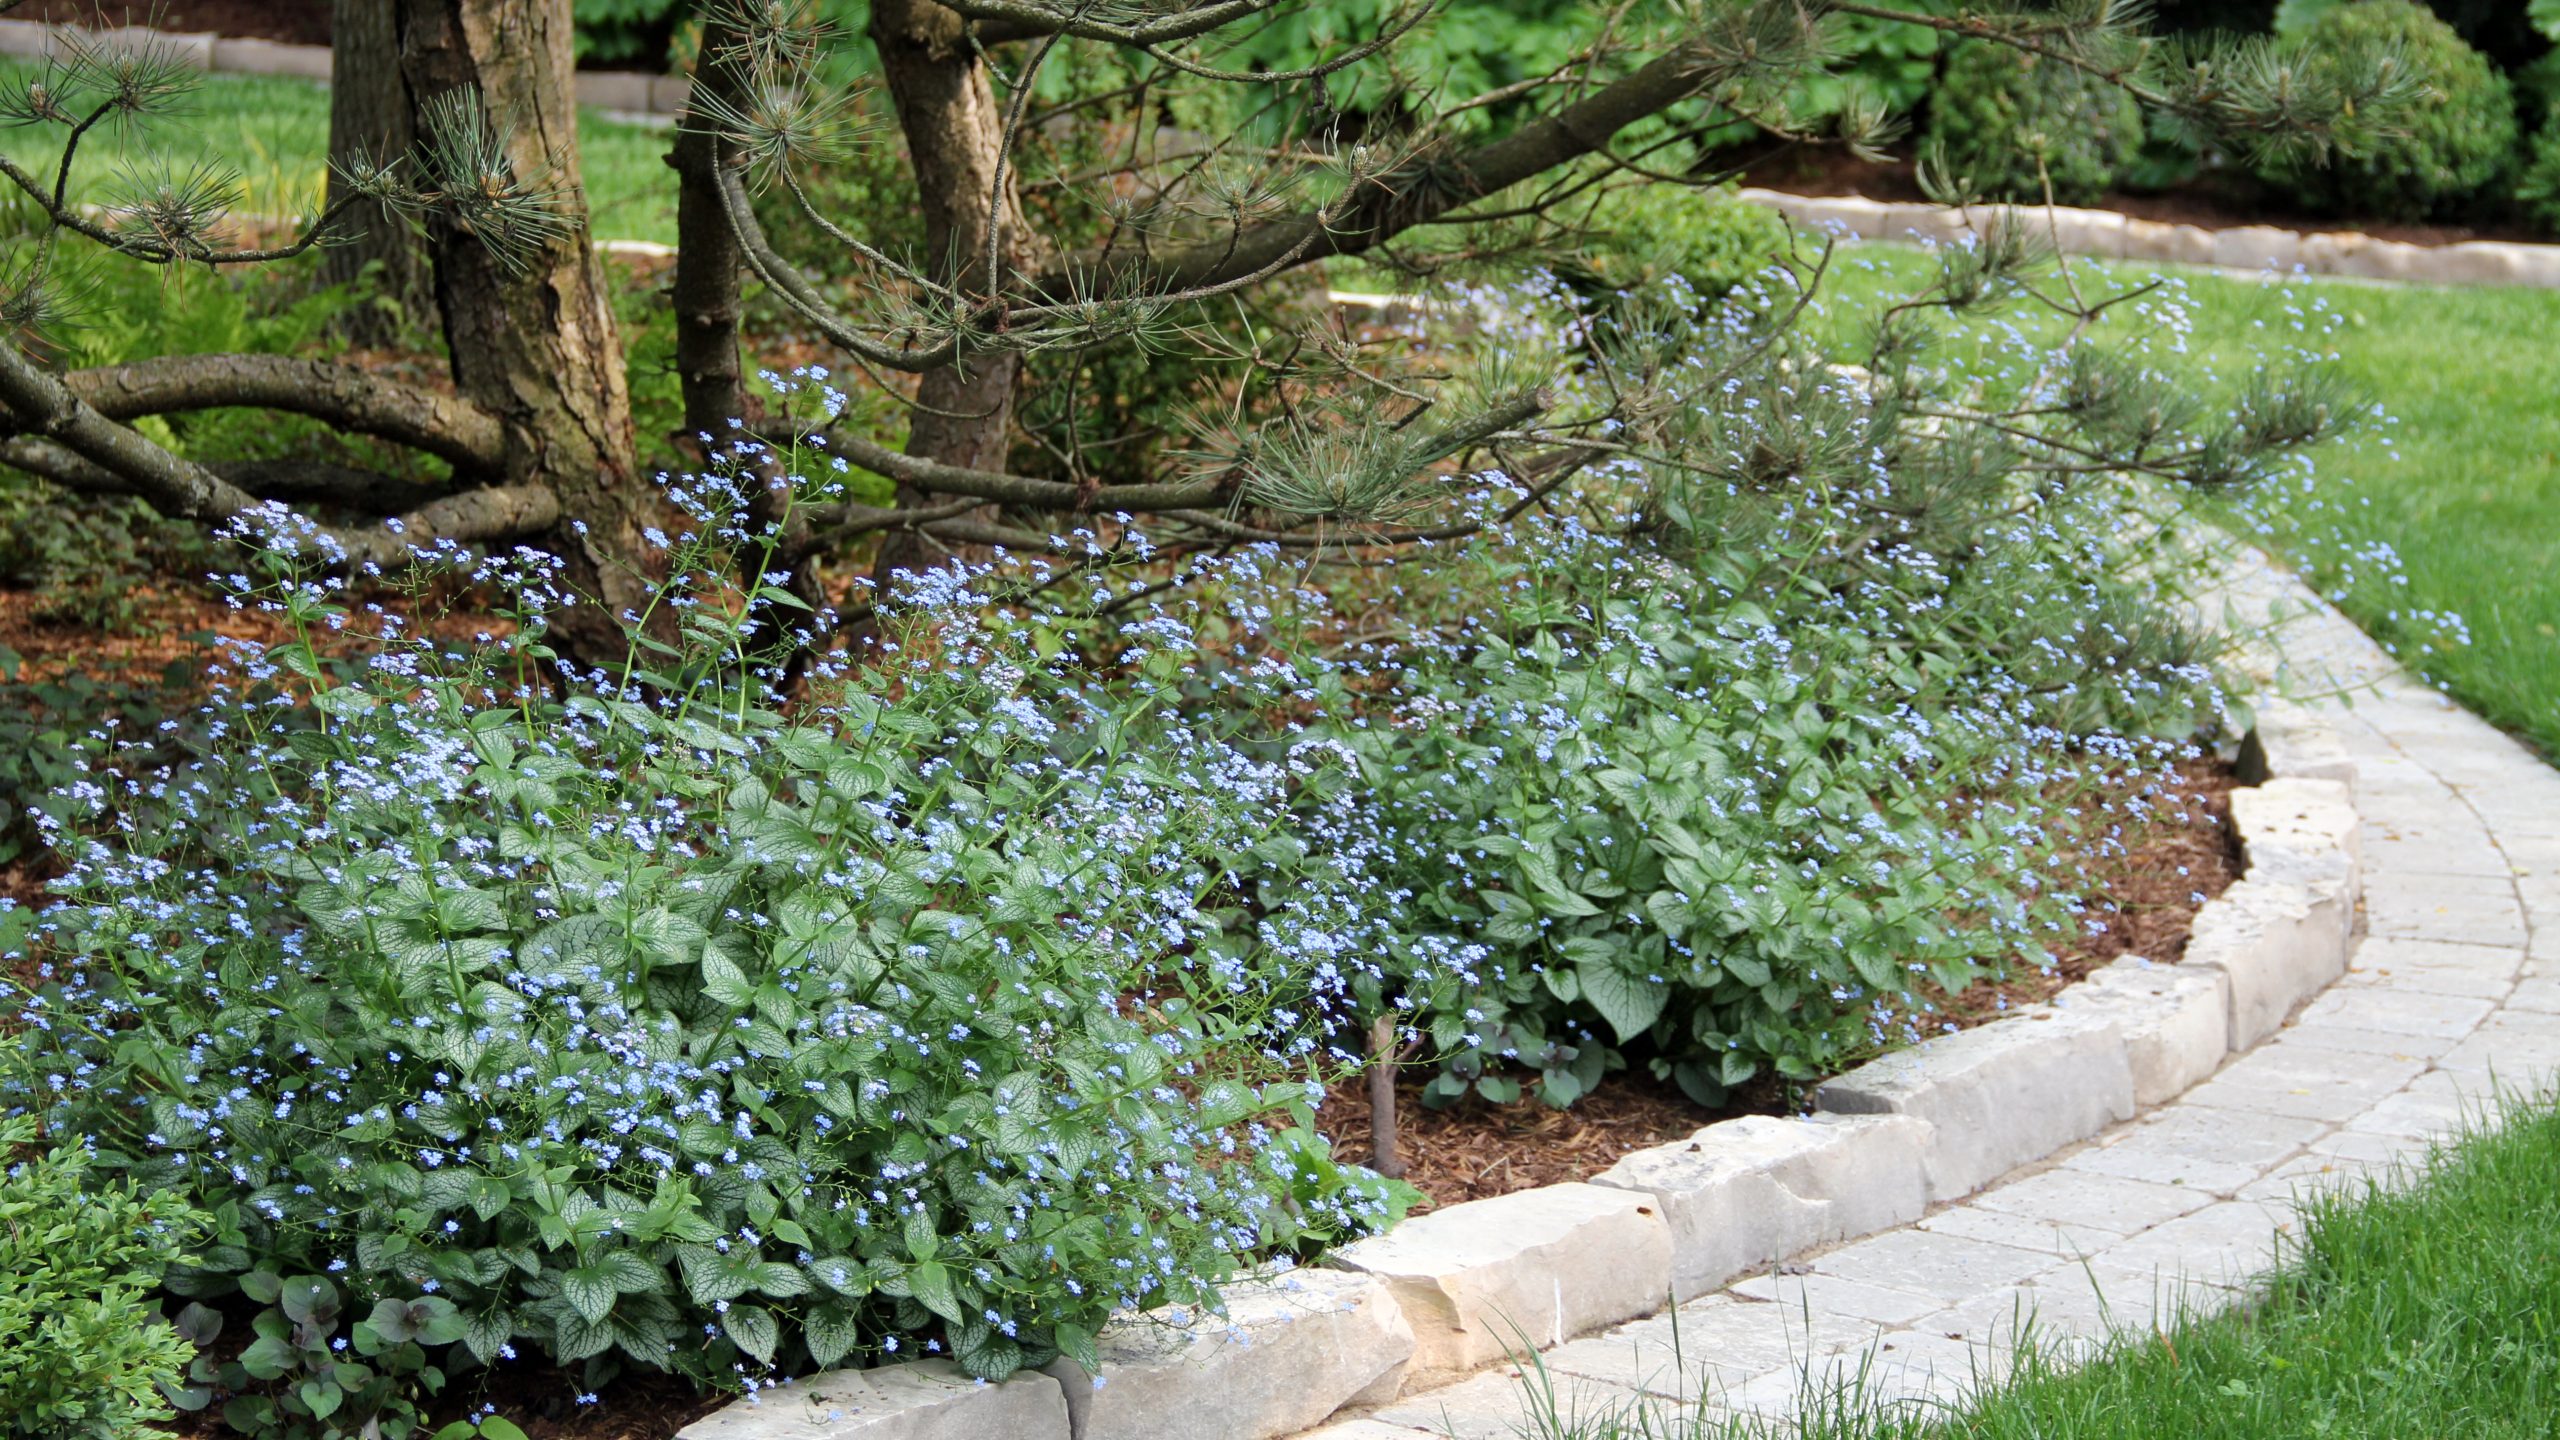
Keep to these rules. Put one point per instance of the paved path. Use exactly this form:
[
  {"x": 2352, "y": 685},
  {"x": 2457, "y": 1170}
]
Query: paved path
[{"x": 2457, "y": 976}]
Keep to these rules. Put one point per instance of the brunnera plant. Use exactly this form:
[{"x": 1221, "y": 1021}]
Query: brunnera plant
[{"x": 652, "y": 1020}]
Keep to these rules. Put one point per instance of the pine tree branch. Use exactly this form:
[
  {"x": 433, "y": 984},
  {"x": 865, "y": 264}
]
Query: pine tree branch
[
  {"x": 57, "y": 434},
  {"x": 1399, "y": 200},
  {"x": 343, "y": 396}
]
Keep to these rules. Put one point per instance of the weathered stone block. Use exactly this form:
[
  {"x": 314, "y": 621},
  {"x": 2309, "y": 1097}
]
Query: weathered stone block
[
  {"x": 2476, "y": 262},
  {"x": 1744, "y": 1192},
  {"x": 25, "y": 37},
  {"x": 2079, "y": 232},
  {"x": 2176, "y": 1022},
  {"x": 1998, "y": 1096},
  {"x": 2310, "y": 815},
  {"x": 2256, "y": 248},
  {"x": 2173, "y": 244},
  {"x": 925, "y": 1400},
  {"x": 1830, "y": 214},
  {"x": 1523, "y": 1271},
  {"x": 1291, "y": 1350},
  {"x": 626, "y": 90},
  {"x": 667, "y": 93},
  {"x": 267, "y": 57},
  {"x": 2278, "y": 944}
]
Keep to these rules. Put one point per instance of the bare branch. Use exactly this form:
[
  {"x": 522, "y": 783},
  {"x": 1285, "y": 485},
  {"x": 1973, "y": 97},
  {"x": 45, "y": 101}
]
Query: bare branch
[
  {"x": 63, "y": 437},
  {"x": 445, "y": 426}
]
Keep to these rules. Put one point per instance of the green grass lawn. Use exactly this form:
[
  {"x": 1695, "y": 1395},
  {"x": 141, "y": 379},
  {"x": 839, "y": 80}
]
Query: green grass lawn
[
  {"x": 2463, "y": 482},
  {"x": 275, "y": 133},
  {"x": 2432, "y": 1311}
]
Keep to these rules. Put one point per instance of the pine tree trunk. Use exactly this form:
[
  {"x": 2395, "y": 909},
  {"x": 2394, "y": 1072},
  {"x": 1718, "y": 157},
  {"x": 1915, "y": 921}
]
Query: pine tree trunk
[
  {"x": 369, "y": 121},
  {"x": 709, "y": 261},
  {"x": 536, "y": 344},
  {"x": 954, "y": 127}
]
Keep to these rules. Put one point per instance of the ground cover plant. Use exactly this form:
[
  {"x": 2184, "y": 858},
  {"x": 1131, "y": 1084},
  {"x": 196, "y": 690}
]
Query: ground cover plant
[{"x": 2426, "y": 528}]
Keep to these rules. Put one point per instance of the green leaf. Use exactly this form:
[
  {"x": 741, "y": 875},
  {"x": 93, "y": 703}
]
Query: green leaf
[
  {"x": 498, "y": 1427},
  {"x": 931, "y": 1286},
  {"x": 1746, "y": 967},
  {"x": 268, "y": 1357},
  {"x": 724, "y": 982},
  {"x": 309, "y": 1300},
  {"x": 322, "y": 1396},
  {"x": 830, "y": 1332},
  {"x": 1629, "y": 1002},
  {"x": 590, "y": 1291},
  {"x": 754, "y": 1330}
]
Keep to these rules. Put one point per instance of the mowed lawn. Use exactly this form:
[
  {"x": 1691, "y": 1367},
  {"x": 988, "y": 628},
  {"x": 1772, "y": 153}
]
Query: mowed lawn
[
  {"x": 2463, "y": 482},
  {"x": 2433, "y": 1312},
  {"x": 273, "y": 133}
]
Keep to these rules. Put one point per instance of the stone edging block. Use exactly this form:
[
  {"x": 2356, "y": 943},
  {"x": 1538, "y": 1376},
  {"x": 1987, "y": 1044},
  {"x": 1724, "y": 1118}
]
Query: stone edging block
[
  {"x": 2256, "y": 248},
  {"x": 1291, "y": 1349},
  {"x": 1492, "y": 1278},
  {"x": 1997, "y": 1096},
  {"x": 920, "y": 1400},
  {"x": 1742, "y": 1194}
]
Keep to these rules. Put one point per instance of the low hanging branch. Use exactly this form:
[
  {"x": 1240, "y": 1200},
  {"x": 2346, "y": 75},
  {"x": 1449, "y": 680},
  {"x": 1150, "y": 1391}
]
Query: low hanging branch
[
  {"x": 345, "y": 397},
  {"x": 66, "y": 439}
]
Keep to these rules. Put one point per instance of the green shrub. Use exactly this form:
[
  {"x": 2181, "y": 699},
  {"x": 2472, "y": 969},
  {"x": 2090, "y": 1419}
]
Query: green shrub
[
  {"x": 84, "y": 1353},
  {"x": 2007, "y": 120},
  {"x": 1710, "y": 238},
  {"x": 2455, "y": 141},
  {"x": 2538, "y": 189}
]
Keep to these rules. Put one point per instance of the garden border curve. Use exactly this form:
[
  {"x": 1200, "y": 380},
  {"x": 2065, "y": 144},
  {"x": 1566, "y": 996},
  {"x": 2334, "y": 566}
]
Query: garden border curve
[
  {"x": 1455, "y": 1291},
  {"x": 2254, "y": 249}
]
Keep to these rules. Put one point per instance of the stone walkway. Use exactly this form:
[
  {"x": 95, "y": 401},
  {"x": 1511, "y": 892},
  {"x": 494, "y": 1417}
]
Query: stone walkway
[{"x": 2456, "y": 979}]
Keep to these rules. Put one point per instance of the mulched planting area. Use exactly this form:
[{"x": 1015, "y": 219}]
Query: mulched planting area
[{"x": 1475, "y": 1149}]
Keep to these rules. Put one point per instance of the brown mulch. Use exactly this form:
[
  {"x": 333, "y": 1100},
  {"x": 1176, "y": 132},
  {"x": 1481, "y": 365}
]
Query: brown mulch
[
  {"x": 1474, "y": 1150},
  {"x": 2212, "y": 202},
  {"x": 293, "y": 22}
]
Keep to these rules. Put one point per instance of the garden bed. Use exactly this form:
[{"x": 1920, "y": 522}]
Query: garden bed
[{"x": 1475, "y": 1150}]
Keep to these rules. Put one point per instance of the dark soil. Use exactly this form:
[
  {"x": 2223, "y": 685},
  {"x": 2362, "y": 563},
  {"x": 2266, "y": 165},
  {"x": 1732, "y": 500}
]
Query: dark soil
[
  {"x": 1475, "y": 1149},
  {"x": 2212, "y": 201},
  {"x": 294, "y": 22}
]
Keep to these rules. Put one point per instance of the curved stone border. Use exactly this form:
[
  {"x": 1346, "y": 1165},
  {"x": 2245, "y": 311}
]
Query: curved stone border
[
  {"x": 2110, "y": 236},
  {"x": 1456, "y": 1291},
  {"x": 628, "y": 91}
]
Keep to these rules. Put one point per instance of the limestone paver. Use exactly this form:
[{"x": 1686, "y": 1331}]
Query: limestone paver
[
  {"x": 2061, "y": 1238},
  {"x": 2101, "y": 1202},
  {"x": 2452, "y": 995},
  {"x": 1946, "y": 1267}
]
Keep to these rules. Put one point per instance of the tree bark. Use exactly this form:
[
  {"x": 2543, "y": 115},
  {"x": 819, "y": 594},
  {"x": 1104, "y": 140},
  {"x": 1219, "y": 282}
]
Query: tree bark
[
  {"x": 709, "y": 261},
  {"x": 954, "y": 129},
  {"x": 535, "y": 344},
  {"x": 369, "y": 120}
]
